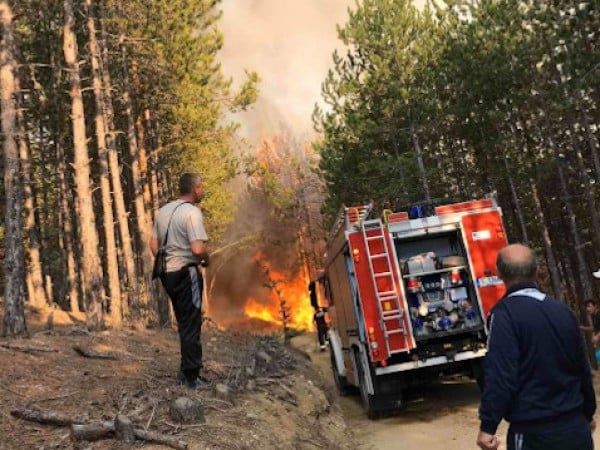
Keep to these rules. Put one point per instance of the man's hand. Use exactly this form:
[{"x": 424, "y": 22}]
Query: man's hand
[{"x": 487, "y": 441}]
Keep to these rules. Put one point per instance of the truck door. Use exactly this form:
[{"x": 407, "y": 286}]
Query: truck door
[{"x": 484, "y": 237}]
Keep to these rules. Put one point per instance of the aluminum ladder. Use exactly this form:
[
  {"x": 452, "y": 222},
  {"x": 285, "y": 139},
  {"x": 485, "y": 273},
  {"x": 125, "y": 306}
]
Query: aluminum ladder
[{"x": 373, "y": 230}]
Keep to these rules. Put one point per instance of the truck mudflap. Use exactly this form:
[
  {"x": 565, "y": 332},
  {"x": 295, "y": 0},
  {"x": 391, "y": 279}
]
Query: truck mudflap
[
  {"x": 430, "y": 362},
  {"x": 484, "y": 237}
]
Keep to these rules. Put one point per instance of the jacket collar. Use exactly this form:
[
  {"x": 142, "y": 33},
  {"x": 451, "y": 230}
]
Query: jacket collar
[{"x": 521, "y": 286}]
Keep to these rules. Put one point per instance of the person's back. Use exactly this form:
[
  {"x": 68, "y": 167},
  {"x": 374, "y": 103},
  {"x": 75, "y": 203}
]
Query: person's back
[
  {"x": 548, "y": 358},
  {"x": 537, "y": 376},
  {"x": 184, "y": 218}
]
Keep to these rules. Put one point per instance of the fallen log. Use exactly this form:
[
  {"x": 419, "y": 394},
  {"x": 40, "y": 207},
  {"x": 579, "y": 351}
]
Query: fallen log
[
  {"x": 93, "y": 431},
  {"x": 162, "y": 439},
  {"x": 89, "y": 353},
  {"x": 28, "y": 348},
  {"x": 47, "y": 417},
  {"x": 82, "y": 430}
]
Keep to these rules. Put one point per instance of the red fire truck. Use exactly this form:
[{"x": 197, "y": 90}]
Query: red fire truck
[{"x": 408, "y": 296}]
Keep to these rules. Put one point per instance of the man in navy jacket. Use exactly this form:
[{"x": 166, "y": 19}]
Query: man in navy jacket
[{"x": 537, "y": 375}]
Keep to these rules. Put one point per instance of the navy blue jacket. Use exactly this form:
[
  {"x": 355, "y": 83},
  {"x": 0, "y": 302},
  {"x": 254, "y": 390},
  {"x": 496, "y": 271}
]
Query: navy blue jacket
[{"x": 536, "y": 370}]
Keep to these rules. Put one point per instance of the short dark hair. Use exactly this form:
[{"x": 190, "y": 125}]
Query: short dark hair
[
  {"x": 590, "y": 302},
  {"x": 188, "y": 181},
  {"x": 525, "y": 270}
]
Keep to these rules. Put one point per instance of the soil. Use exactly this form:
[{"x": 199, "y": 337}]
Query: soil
[
  {"x": 442, "y": 416},
  {"x": 285, "y": 405}
]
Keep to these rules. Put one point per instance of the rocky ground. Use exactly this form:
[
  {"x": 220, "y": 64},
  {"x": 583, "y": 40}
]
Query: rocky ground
[{"x": 264, "y": 395}]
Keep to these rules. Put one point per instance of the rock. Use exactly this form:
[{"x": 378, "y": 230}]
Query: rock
[
  {"x": 222, "y": 392},
  {"x": 251, "y": 385},
  {"x": 263, "y": 358},
  {"x": 252, "y": 416},
  {"x": 187, "y": 410},
  {"x": 250, "y": 371},
  {"x": 124, "y": 429}
]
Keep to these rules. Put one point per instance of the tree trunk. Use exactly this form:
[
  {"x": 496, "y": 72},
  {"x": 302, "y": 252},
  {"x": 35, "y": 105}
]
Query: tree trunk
[
  {"x": 582, "y": 269},
  {"x": 550, "y": 257},
  {"x": 143, "y": 225},
  {"x": 420, "y": 164},
  {"x": 115, "y": 174},
  {"x": 591, "y": 137},
  {"x": 14, "y": 314},
  {"x": 151, "y": 126},
  {"x": 92, "y": 276},
  {"x": 34, "y": 274},
  {"x": 112, "y": 264},
  {"x": 65, "y": 213},
  {"x": 516, "y": 202}
]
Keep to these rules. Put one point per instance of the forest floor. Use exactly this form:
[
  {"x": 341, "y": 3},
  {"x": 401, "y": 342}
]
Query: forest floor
[{"x": 276, "y": 400}]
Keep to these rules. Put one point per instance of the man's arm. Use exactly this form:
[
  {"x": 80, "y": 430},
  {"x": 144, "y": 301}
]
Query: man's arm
[
  {"x": 200, "y": 250},
  {"x": 501, "y": 374},
  {"x": 153, "y": 243},
  {"x": 197, "y": 236}
]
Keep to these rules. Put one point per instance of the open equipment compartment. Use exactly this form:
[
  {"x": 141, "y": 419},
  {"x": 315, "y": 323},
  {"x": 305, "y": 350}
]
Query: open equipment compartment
[{"x": 438, "y": 284}]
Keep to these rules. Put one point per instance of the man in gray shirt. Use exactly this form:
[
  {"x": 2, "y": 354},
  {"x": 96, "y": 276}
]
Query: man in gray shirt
[{"x": 179, "y": 229}]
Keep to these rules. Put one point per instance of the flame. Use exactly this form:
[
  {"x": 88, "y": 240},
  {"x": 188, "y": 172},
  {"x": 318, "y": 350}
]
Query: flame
[{"x": 292, "y": 288}]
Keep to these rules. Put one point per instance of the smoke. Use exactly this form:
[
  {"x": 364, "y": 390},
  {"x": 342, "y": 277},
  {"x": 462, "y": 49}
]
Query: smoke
[{"x": 289, "y": 43}]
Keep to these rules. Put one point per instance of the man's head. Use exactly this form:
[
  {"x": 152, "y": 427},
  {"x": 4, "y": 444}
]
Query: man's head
[
  {"x": 190, "y": 187},
  {"x": 591, "y": 307},
  {"x": 516, "y": 264}
]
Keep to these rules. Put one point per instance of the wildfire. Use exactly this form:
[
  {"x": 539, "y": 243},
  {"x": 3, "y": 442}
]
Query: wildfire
[{"x": 292, "y": 289}]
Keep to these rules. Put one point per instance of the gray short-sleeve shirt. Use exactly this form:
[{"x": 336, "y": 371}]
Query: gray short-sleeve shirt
[{"x": 186, "y": 227}]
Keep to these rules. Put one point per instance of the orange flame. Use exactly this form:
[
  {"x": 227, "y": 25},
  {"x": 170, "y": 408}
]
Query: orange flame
[{"x": 292, "y": 289}]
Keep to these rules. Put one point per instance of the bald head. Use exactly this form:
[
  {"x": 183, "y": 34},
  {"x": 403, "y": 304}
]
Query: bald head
[{"x": 516, "y": 263}]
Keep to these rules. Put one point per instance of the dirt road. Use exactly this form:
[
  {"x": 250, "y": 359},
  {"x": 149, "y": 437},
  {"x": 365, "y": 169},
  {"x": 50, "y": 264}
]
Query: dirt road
[{"x": 439, "y": 417}]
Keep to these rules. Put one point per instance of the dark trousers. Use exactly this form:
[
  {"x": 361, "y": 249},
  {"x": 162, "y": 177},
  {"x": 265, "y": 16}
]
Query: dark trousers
[
  {"x": 321, "y": 329},
  {"x": 184, "y": 288},
  {"x": 571, "y": 440}
]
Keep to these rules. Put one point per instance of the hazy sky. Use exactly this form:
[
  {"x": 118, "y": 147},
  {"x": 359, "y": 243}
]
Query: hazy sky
[{"x": 289, "y": 43}]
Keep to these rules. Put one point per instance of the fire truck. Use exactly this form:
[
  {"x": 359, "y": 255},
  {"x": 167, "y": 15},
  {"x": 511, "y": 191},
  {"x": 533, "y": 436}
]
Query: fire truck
[{"x": 408, "y": 296}]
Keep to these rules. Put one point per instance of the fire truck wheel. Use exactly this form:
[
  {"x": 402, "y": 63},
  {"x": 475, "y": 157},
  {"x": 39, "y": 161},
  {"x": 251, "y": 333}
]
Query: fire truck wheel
[
  {"x": 340, "y": 381},
  {"x": 368, "y": 400}
]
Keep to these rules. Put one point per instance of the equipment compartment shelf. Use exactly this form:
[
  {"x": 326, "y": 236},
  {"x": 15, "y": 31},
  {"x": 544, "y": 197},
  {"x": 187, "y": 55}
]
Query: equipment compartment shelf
[{"x": 433, "y": 272}]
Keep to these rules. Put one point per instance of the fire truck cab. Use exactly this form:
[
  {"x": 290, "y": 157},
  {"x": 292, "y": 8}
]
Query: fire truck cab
[{"x": 409, "y": 294}]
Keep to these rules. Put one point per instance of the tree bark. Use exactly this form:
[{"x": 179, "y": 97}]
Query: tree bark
[
  {"x": 516, "y": 202},
  {"x": 143, "y": 225},
  {"x": 34, "y": 274},
  {"x": 92, "y": 276},
  {"x": 14, "y": 315},
  {"x": 65, "y": 214},
  {"x": 152, "y": 127},
  {"x": 141, "y": 135},
  {"x": 112, "y": 264},
  {"x": 550, "y": 257},
  {"x": 582, "y": 269},
  {"x": 420, "y": 164},
  {"x": 115, "y": 174}
]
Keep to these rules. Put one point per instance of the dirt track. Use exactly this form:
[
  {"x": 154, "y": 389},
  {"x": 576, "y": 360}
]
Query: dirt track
[{"x": 439, "y": 417}]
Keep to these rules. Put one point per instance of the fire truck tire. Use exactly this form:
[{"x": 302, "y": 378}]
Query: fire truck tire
[
  {"x": 368, "y": 400},
  {"x": 341, "y": 383}
]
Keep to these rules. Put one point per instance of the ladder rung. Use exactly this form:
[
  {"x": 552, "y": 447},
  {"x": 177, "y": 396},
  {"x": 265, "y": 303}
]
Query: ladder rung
[
  {"x": 386, "y": 293},
  {"x": 391, "y": 311},
  {"x": 397, "y": 316},
  {"x": 395, "y": 331},
  {"x": 372, "y": 238},
  {"x": 383, "y": 274},
  {"x": 378, "y": 255}
]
